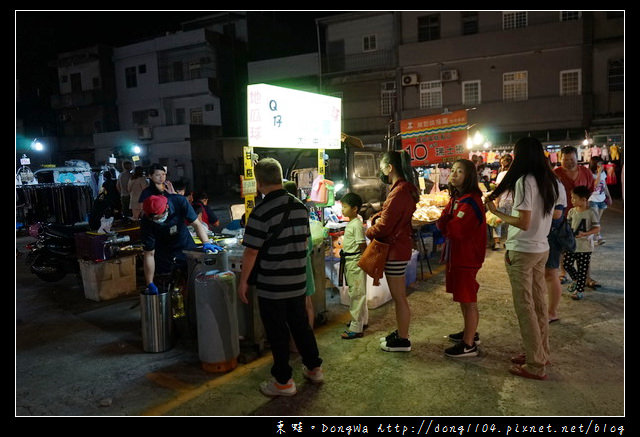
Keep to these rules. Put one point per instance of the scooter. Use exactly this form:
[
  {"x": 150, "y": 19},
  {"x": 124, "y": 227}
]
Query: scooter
[{"x": 53, "y": 254}]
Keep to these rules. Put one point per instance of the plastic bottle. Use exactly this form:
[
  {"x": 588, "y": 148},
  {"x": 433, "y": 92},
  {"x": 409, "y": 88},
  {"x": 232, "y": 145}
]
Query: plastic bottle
[{"x": 177, "y": 302}]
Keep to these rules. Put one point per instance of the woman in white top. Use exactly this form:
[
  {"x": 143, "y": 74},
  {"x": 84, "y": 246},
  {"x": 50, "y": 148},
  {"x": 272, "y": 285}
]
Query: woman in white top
[
  {"x": 536, "y": 193},
  {"x": 600, "y": 197},
  {"x": 505, "y": 201}
]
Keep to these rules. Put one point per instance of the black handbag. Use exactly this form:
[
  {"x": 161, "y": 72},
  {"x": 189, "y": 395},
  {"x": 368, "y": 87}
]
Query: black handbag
[{"x": 562, "y": 236}]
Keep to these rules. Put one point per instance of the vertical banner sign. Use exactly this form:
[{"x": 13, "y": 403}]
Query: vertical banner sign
[
  {"x": 321, "y": 161},
  {"x": 249, "y": 189},
  {"x": 435, "y": 139}
]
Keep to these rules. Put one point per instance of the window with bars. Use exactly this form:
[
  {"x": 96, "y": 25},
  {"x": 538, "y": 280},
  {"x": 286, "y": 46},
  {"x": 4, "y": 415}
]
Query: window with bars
[
  {"x": 387, "y": 98},
  {"x": 515, "y": 86},
  {"x": 569, "y": 15},
  {"x": 429, "y": 27},
  {"x": 514, "y": 20},
  {"x": 570, "y": 82},
  {"x": 369, "y": 43},
  {"x": 615, "y": 74},
  {"x": 431, "y": 94},
  {"x": 471, "y": 93},
  {"x": 469, "y": 22},
  {"x": 196, "y": 116}
]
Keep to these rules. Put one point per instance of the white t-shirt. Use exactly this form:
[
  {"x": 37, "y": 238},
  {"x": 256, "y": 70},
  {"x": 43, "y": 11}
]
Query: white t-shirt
[
  {"x": 599, "y": 193},
  {"x": 533, "y": 240}
]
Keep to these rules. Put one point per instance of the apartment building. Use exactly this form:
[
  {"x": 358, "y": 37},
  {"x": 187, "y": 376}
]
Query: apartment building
[
  {"x": 85, "y": 102},
  {"x": 170, "y": 93},
  {"x": 550, "y": 74}
]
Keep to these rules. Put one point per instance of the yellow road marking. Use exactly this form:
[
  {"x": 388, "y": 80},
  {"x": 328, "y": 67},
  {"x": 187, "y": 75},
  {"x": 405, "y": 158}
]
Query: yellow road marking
[{"x": 188, "y": 392}]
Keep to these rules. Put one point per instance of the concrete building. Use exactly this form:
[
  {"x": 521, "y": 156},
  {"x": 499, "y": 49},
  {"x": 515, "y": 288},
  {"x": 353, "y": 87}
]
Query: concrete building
[
  {"x": 550, "y": 74},
  {"x": 177, "y": 97},
  {"x": 86, "y": 100}
]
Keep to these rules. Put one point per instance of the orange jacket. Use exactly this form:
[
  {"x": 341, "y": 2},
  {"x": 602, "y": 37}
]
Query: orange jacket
[{"x": 392, "y": 224}]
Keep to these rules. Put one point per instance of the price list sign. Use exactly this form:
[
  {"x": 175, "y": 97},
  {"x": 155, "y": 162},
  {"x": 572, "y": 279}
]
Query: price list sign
[
  {"x": 435, "y": 139},
  {"x": 280, "y": 117}
]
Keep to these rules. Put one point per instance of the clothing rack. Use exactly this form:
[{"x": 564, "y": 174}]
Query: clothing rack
[{"x": 54, "y": 203}]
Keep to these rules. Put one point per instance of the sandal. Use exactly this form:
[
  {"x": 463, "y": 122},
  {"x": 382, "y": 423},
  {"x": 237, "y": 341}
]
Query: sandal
[
  {"x": 593, "y": 284},
  {"x": 518, "y": 370},
  {"x": 350, "y": 335},
  {"x": 521, "y": 359}
]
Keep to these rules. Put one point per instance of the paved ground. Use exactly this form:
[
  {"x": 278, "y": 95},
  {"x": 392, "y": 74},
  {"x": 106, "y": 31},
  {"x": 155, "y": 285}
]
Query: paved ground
[{"x": 76, "y": 357}]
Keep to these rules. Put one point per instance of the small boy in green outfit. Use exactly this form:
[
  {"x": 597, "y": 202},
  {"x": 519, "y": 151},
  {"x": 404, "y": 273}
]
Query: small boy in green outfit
[{"x": 353, "y": 245}]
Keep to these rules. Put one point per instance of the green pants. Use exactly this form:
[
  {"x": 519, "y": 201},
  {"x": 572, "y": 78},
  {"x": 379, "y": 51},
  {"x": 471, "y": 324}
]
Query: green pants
[{"x": 357, "y": 282}]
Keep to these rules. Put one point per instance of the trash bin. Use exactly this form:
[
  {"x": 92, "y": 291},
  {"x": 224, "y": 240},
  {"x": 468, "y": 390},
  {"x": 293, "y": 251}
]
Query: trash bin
[
  {"x": 218, "y": 340},
  {"x": 157, "y": 323}
]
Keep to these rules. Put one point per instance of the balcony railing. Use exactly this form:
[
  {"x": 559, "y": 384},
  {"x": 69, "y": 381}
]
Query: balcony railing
[{"x": 358, "y": 62}]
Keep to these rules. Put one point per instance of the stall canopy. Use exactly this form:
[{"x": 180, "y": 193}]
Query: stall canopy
[{"x": 436, "y": 138}]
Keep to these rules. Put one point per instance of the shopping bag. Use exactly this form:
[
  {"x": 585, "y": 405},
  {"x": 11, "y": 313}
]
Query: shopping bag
[
  {"x": 373, "y": 260},
  {"x": 319, "y": 190}
]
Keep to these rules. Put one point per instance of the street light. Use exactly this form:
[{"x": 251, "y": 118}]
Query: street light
[{"x": 37, "y": 145}]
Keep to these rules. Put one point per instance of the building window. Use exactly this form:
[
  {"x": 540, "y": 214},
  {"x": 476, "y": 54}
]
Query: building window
[
  {"x": 196, "y": 116},
  {"x": 615, "y": 75},
  {"x": 130, "y": 77},
  {"x": 514, "y": 86},
  {"x": 369, "y": 43},
  {"x": 431, "y": 94},
  {"x": 142, "y": 68},
  {"x": 387, "y": 98},
  {"x": 429, "y": 27},
  {"x": 140, "y": 118},
  {"x": 469, "y": 23},
  {"x": 180, "y": 116},
  {"x": 471, "y": 93},
  {"x": 569, "y": 15},
  {"x": 514, "y": 20},
  {"x": 570, "y": 83}
]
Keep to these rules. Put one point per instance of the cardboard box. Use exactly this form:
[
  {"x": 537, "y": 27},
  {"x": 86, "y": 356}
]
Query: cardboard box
[{"x": 108, "y": 279}]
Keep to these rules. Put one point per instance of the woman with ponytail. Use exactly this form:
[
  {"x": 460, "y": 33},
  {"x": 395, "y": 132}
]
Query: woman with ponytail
[
  {"x": 392, "y": 225},
  {"x": 538, "y": 196}
]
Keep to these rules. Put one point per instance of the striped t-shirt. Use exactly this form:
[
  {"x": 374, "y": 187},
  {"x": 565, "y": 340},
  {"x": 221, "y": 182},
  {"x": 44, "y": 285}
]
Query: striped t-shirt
[{"x": 281, "y": 264}]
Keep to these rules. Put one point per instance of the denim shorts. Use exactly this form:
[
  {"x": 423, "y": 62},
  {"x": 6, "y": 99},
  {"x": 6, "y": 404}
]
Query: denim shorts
[
  {"x": 598, "y": 205},
  {"x": 553, "y": 261}
]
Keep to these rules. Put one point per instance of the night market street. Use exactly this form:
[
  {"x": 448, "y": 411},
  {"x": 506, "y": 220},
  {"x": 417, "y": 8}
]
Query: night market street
[{"x": 77, "y": 357}]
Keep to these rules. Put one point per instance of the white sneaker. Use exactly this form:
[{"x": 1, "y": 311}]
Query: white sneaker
[
  {"x": 316, "y": 375},
  {"x": 274, "y": 388}
]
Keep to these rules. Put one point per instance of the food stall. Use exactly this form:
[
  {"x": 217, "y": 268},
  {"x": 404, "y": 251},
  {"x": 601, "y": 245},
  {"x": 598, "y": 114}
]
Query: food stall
[{"x": 286, "y": 119}]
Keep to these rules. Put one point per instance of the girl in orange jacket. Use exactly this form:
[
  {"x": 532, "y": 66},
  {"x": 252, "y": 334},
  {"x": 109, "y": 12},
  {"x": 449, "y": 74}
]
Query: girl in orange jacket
[{"x": 392, "y": 225}]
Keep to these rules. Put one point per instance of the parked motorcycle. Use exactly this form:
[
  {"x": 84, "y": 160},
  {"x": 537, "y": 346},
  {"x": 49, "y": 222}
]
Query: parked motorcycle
[{"x": 53, "y": 254}]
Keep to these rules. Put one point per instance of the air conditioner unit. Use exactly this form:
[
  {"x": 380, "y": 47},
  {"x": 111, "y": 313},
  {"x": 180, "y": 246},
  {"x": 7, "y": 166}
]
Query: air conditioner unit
[
  {"x": 145, "y": 133},
  {"x": 448, "y": 75},
  {"x": 409, "y": 79}
]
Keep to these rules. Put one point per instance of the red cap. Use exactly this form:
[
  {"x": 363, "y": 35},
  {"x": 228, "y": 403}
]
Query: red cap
[{"x": 154, "y": 205}]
